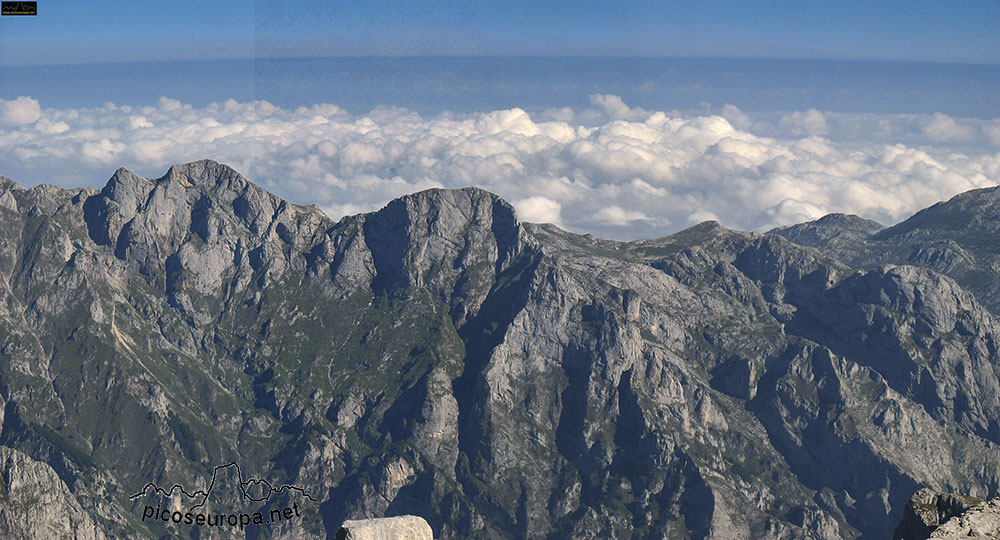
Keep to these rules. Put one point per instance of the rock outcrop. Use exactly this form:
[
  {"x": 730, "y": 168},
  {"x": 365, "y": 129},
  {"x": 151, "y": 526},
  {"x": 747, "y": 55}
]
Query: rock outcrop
[
  {"x": 982, "y": 521},
  {"x": 35, "y": 503},
  {"x": 927, "y": 510},
  {"x": 391, "y": 528}
]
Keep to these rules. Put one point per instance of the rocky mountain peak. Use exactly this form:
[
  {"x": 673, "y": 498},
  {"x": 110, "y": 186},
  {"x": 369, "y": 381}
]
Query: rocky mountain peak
[
  {"x": 451, "y": 213},
  {"x": 204, "y": 172},
  {"x": 835, "y": 229},
  {"x": 848, "y": 221},
  {"x": 220, "y": 181},
  {"x": 449, "y": 231},
  {"x": 125, "y": 188},
  {"x": 7, "y": 183},
  {"x": 974, "y": 211},
  {"x": 700, "y": 233}
]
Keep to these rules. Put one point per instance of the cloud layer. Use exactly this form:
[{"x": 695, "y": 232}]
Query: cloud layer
[{"x": 611, "y": 170}]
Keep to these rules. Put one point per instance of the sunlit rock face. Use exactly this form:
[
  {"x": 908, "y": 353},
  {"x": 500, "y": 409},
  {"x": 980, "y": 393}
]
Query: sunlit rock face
[
  {"x": 393, "y": 528},
  {"x": 499, "y": 379},
  {"x": 927, "y": 510},
  {"x": 982, "y": 521}
]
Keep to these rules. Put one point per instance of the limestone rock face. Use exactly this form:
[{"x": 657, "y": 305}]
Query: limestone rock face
[
  {"x": 927, "y": 509},
  {"x": 35, "y": 503},
  {"x": 392, "y": 528},
  {"x": 503, "y": 380},
  {"x": 982, "y": 521}
]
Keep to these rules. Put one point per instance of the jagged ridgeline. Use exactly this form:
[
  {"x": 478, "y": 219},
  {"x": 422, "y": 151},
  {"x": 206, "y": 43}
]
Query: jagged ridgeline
[{"x": 503, "y": 380}]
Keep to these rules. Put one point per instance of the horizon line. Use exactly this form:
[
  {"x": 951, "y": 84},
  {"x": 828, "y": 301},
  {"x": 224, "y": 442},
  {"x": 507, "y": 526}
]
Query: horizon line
[{"x": 516, "y": 57}]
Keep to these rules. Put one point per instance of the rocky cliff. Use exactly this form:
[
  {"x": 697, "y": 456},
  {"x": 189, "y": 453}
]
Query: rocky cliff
[
  {"x": 980, "y": 522},
  {"x": 499, "y": 379},
  {"x": 927, "y": 510}
]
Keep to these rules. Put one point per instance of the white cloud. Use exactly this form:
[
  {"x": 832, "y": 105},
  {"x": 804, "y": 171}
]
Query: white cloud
[
  {"x": 138, "y": 122},
  {"x": 103, "y": 151},
  {"x": 16, "y": 112},
  {"x": 735, "y": 116},
  {"x": 612, "y": 170},
  {"x": 941, "y": 127},
  {"x": 538, "y": 210},
  {"x": 811, "y": 122},
  {"x": 796, "y": 211},
  {"x": 170, "y": 105},
  {"x": 992, "y": 132},
  {"x": 700, "y": 216},
  {"x": 612, "y": 105},
  {"x": 618, "y": 216},
  {"x": 49, "y": 127}
]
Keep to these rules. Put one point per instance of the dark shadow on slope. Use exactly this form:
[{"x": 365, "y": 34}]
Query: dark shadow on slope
[
  {"x": 481, "y": 335},
  {"x": 387, "y": 237},
  {"x": 577, "y": 364},
  {"x": 95, "y": 215},
  {"x": 505, "y": 231},
  {"x": 821, "y": 457}
]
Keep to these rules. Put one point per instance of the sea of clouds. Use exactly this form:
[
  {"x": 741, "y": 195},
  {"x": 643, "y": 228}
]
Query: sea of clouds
[{"x": 612, "y": 170}]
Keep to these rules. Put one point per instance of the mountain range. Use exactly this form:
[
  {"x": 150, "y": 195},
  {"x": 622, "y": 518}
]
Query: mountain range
[{"x": 502, "y": 380}]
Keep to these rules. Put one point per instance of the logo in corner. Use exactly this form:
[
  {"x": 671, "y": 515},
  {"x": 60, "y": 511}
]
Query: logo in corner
[{"x": 18, "y": 8}]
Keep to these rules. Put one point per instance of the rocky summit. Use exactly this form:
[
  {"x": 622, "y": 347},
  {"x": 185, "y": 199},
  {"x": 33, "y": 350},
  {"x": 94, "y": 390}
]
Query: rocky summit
[{"x": 193, "y": 357}]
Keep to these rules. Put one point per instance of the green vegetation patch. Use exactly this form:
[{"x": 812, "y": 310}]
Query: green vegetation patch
[
  {"x": 69, "y": 449},
  {"x": 185, "y": 437}
]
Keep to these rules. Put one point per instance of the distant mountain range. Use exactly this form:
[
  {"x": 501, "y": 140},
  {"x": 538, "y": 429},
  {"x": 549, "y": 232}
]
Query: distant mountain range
[{"x": 503, "y": 380}]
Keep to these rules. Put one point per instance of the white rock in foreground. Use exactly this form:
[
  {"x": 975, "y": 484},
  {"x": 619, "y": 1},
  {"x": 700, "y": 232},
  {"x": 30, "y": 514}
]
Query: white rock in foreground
[
  {"x": 982, "y": 521},
  {"x": 392, "y": 528}
]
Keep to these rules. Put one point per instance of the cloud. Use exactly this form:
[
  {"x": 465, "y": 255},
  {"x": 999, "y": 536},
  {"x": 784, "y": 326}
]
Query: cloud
[
  {"x": 992, "y": 132},
  {"x": 615, "y": 108},
  {"x": 538, "y": 210},
  {"x": 700, "y": 216},
  {"x": 611, "y": 170},
  {"x": 811, "y": 122},
  {"x": 618, "y": 216},
  {"x": 941, "y": 127},
  {"x": 23, "y": 110},
  {"x": 735, "y": 116}
]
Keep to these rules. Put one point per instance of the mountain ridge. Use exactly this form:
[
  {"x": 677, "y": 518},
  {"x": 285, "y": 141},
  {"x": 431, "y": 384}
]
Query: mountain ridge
[{"x": 418, "y": 359}]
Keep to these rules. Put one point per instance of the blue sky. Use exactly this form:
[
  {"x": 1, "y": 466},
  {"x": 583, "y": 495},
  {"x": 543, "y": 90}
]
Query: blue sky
[
  {"x": 888, "y": 30},
  {"x": 70, "y": 31},
  {"x": 75, "y": 32}
]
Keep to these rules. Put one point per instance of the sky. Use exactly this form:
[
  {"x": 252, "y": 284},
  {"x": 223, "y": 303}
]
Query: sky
[
  {"x": 885, "y": 30},
  {"x": 69, "y": 31},
  {"x": 625, "y": 120}
]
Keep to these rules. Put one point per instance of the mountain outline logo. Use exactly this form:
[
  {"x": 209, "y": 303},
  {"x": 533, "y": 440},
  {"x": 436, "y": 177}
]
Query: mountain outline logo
[
  {"x": 245, "y": 485},
  {"x": 19, "y": 8}
]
